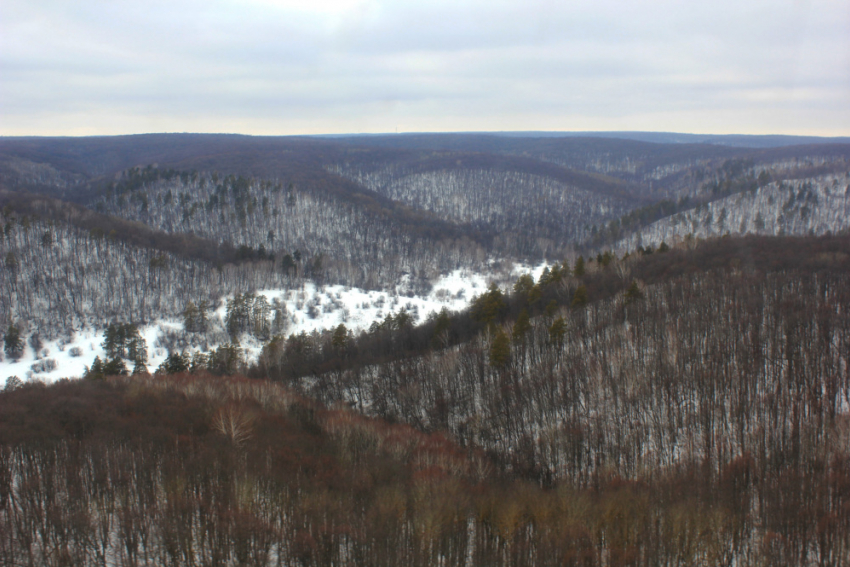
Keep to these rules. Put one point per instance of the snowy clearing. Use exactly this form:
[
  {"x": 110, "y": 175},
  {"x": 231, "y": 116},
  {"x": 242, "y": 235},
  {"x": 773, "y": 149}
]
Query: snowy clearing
[{"x": 309, "y": 308}]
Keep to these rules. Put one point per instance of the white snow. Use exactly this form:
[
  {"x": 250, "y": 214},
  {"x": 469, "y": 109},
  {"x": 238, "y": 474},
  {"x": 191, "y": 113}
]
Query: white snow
[
  {"x": 62, "y": 351},
  {"x": 332, "y": 305},
  {"x": 777, "y": 208}
]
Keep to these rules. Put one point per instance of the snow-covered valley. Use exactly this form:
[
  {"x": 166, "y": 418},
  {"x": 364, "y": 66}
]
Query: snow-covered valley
[{"x": 307, "y": 309}]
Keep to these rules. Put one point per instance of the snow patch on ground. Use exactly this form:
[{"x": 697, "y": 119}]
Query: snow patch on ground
[
  {"x": 70, "y": 357},
  {"x": 309, "y": 308}
]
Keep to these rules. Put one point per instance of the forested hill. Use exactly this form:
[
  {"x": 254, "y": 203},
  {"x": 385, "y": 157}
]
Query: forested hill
[
  {"x": 725, "y": 362},
  {"x": 606, "y": 278},
  {"x": 733, "y": 140},
  {"x": 515, "y": 196},
  {"x": 207, "y": 470},
  {"x": 657, "y": 170},
  {"x": 660, "y": 386},
  {"x": 683, "y": 407},
  {"x": 86, "y": 170},
  {"x": 368, "y": 212}
]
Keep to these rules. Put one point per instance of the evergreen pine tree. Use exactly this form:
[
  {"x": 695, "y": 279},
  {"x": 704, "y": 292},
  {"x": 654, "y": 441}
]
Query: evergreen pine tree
[
  {"x": 535, "y": 294},
  {"x": 190, "y": 318},
  {"x": 500, "y": 349},
  {"x": 115, "y": 367},
  {"x": 633, "y": 293},
  {"x": 174, "y": 363},
  {"x": 578, "y": 271},
  {"x": 557, "y": 332},
  {"x": 523, "y": 284},
  {"x": 442, "y": 324},
  {"x": 96, "y": 370},
  {"x": 488, "y": 306},
  {"x": 140, "y": 367},
  {"x": 580, "y": 297},
  {"x": 200, "y": 362},
  {"x": 339, "y": 340},
  {"x": 521, "y": 328},
  {"x": 13, "y": 345},
  {"x": 137, "y": 349}
]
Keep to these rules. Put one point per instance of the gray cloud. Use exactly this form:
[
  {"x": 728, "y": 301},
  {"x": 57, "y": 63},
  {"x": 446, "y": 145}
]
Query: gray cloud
[{"x": 278, "y": 67}]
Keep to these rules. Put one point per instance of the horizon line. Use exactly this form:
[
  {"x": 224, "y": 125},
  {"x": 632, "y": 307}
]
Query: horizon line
[{"x": 524, "y": 133}]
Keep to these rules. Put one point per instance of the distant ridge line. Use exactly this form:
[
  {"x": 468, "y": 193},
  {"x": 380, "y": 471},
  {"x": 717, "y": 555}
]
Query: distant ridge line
[
  {"x": 733, "y": 140},
  {"x": 754, "y": 141}
]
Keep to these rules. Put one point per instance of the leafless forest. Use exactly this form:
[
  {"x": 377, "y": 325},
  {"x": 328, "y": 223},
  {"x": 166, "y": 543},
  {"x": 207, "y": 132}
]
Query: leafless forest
[{"x": 673, "y": 389}]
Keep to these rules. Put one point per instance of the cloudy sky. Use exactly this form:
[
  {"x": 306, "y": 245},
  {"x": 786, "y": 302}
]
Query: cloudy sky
[{"x": 80, "y": 67}]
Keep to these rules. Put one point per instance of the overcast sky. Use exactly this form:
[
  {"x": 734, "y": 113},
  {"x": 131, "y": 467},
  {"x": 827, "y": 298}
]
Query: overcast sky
[{"x": 80, "y": 67}]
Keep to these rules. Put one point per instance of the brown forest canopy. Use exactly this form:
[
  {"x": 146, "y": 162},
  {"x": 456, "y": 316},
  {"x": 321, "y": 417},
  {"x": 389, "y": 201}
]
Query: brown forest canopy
[{"x": 209, "y": 470}]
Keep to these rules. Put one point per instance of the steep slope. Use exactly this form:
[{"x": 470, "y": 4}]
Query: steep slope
[
  {"x": 200, "y": 469},
  {"x": 58, "y": 279},
  {"x": 518, "y": 197},
  {"x": 818, "y": 205},
  {"x": 725, "y": 364},
  {"x": 710, "y": 353},
  {"x": 68, "y": 276},
  {"x": 657, "y": 168},
  {"x": 653, "y": 170},
  {"x": 310, "y": 232},
  {"x": 529, "y": 208}
]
